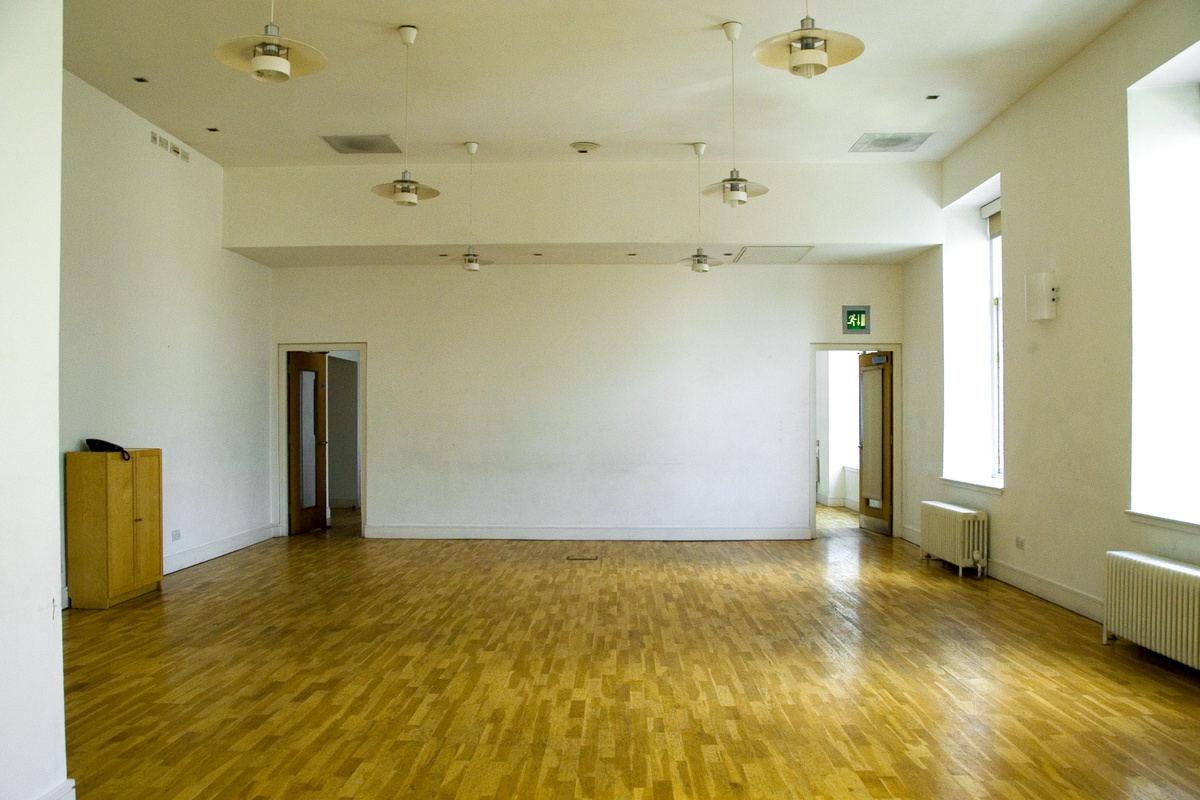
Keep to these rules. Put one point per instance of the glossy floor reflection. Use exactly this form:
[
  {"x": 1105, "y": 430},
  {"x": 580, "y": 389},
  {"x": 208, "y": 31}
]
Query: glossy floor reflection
[{"x": 331, "y": 666}]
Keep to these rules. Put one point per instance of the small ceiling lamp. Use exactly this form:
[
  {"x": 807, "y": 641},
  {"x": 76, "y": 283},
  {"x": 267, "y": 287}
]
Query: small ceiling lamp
[
  {"x": 404, "y": 190},
  {"x": 700, "y": 262},
  {"x": 734, "y": 190},
  {"x": 471, "y": 261},
  {"x": 809, "y": 50},
  {"x": 269, "y": 57}
]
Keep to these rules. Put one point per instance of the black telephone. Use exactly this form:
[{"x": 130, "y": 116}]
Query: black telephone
[{"x": 101, "y": 446}]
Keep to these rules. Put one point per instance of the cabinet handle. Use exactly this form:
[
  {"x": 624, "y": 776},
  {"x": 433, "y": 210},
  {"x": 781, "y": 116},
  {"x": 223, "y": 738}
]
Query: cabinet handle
[{"x": 139, "y": 519}]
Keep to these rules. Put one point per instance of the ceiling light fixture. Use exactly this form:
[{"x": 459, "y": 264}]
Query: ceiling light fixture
[
  {"x": 700, "y": 262},
  {"x": 471, "y": 261},
  {"x": 734, "y": 190},
  {"x": 404, "y": 190},
  {"x": 809, "y": 50},
  {"x": 269, "y": 57}
]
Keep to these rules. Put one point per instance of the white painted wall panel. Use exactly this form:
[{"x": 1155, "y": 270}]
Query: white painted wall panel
[{"x": 165, "y": 335}]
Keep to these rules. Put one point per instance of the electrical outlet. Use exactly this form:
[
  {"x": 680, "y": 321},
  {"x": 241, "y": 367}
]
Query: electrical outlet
[
  {"x": 1020, "y": 542},
  {"x": 176, "y": 535}
]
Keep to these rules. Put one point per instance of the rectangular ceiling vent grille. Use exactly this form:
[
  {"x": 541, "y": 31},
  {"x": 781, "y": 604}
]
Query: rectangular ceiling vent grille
[
  {"x": 889, "y": 142},
  {"x": 772, "y": 254},
  {"x": 358, "y": 145}
]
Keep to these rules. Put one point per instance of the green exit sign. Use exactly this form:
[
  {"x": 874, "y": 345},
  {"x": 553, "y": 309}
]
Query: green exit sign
[{"x": 856, "y": 319}]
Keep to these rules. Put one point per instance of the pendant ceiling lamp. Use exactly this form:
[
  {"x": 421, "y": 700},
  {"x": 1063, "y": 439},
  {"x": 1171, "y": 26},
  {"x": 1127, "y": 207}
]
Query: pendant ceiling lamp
[
  {"x": 809, "y": 50},
  {"x": 471, "y": 261},
  {"x": 734, "y": 190},
  {"x": 699, "y": 260},
  {"x": 404, "y": 190},
  {"x": 269, "y": 57}
]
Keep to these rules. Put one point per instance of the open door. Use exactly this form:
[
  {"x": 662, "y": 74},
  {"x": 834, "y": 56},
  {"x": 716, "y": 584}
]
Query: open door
[
  {"x": 875, "y": 447},
  {"x": 307, "y": 442}
]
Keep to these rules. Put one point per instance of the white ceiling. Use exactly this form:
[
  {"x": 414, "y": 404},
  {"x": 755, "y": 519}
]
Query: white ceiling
[{"x": 527, "y": 77}]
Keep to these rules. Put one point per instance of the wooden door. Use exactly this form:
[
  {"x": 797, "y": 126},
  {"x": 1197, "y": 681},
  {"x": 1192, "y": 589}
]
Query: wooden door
[
  {"x": 875, "y": 443},
  {"x": 121, "y": 542},
  {"x": 307, "y": 442},
  {"x": 147, "y": 516}
]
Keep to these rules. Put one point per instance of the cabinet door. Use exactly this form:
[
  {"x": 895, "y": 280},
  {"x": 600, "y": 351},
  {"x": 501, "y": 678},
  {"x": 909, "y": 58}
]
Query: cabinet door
[
  {"x": 119, "y": 475},
  {"x": 147, "y": 516}
]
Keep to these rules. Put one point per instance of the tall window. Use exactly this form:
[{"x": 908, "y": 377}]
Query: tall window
[
  {"x": 1164, "y": 171},
  {"x": 973, "y": 339},
  {"x": 996, "y": 311}
]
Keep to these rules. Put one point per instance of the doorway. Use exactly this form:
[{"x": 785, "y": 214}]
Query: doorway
[
  {"x": 307, "y": 442},
  {"x": 835, "y": 438},
  {"x": 322, "y": 434},
  {"x": 875, "y": 441}
]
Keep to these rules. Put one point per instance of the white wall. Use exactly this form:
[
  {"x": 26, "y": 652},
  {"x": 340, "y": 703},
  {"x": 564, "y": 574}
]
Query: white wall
[
  {"x": 33, "y": 761},
  {"x": 578, "y": 401},
  {"x": 1062, "y": 151},
  {"x": 165, "y": 336},
  {"x": 343, "y": 431},
  {"x": 843, "y": 424},
  {"x": 824, "y": 479},
  {"x": 922, "y": 386},
  {"x": 600, "y": 202}
]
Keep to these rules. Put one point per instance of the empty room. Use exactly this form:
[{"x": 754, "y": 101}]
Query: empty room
[{"x": 677, "y": 400}]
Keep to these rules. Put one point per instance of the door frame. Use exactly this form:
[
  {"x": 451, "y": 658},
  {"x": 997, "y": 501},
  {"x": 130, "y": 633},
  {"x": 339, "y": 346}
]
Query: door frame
[
  {"x": 898, "y": 528},
  {"x": 281, "y": 428}
]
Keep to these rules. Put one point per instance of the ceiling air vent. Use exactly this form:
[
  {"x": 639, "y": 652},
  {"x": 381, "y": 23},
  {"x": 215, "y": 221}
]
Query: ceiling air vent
[
  {"x": 889, "y": 142},
  {"x": 358, "y": 145},
  {"x": 772, "y": 254}
]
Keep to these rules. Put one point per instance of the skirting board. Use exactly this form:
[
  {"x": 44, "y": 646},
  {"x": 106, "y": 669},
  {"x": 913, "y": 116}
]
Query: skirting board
[
  {"x": 583, "y": 534},
  {"x": 1072, "y": 599},
  {"x": 207, "y": 552},
  {"x": 64, "y": 791},
  {"x": 911, "y": 534}
]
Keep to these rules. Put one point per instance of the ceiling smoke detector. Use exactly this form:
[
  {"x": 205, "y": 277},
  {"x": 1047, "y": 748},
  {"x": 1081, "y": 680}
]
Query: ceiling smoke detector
[{"x": 584, "y": 147}]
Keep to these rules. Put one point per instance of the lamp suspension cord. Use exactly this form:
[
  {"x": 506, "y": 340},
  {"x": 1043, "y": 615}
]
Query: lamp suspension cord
[
  {"x": 407, "y": 53},
  {"x": 699, "y": 194},
  {"x": 471, "y": 199},
  {"x": 272, "y": 12},
  {"x": 733, "y": 102}
]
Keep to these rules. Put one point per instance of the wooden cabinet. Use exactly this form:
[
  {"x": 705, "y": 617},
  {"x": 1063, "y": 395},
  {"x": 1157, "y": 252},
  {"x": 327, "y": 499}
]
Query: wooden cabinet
[{"x": 114, "y": 526}]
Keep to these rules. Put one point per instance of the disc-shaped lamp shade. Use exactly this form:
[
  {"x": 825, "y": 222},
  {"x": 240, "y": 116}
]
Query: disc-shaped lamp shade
[
  {"x": 808, "y": 51},
  {"x": 405, "y": 191},
  {"x": 735, "y": 190},
  {"x": 270, "y": 58},
  {"x": 472, "y": 262},
  {"x": 701, "y": 262}
]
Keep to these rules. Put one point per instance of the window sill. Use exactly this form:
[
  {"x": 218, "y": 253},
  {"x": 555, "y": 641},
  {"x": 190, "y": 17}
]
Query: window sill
[
  {"x": 1163, "y": 522},
  {"x": 989, "y": 486}
]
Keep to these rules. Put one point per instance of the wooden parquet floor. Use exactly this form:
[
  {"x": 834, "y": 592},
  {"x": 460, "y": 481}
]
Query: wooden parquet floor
[{"x": 328, "y": 666}]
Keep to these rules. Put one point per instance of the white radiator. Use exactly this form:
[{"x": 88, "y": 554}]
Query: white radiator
[
  {"x": 1154, "y": 602},
  {"x": 956, "y": 535}
]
